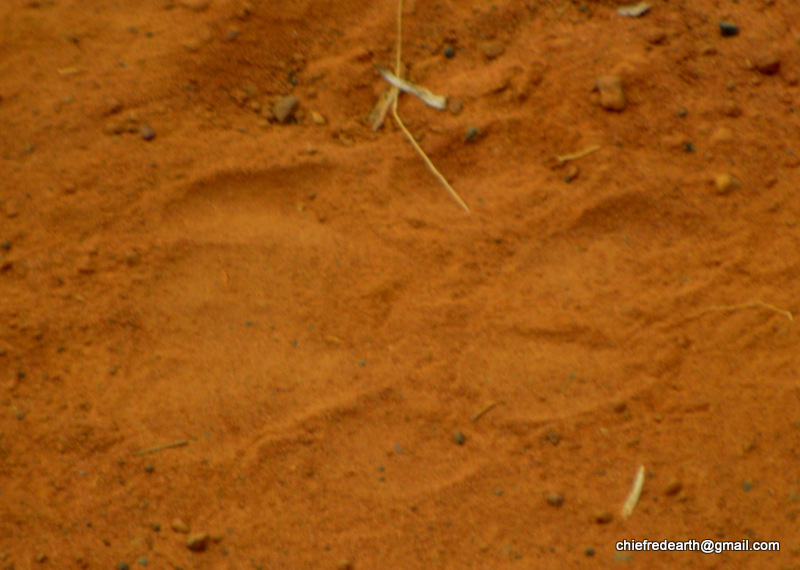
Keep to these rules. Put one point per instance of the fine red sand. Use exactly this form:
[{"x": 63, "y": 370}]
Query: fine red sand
[{"x": 305, "y": 305}]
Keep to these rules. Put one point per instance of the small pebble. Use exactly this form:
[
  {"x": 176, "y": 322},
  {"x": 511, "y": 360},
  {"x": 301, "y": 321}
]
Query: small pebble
[
  {"x": 656, "y": 37},
  {"x": 619, "y": 406},
  {"x": 344, "y": 565},
  {"x": 284, "y": 108},
  {"x": 198, "y": 542},
  {"x": 41, "y": 557},
  {"x": 449, "y": 52},
  {"x": 603, "y": 517},
  {"x": 459, "y": 438},
  {"x": 612, "y": 95},
  {"x": 473, "y": 134},
  {"x": 122, "y": 566},
  {"x": 492, "y": 49},
  {"x": 149, "y": 468},
  {"x": 673, "y": 487},
  {"x": 113, "y": 107},
  {"x": 590, "y": 551},
  {"x": 721, "y": 135},
  {"x": 767, "y": 63},
  {"x": 142, "y": 561},
  {"x": 725, "y": 183},
  {"x": 317, "y": 118},
  {"x": 555, "y": 499},
  {"x": 571, "y": 173},
  {"x": 728, "y": 29},
  {"x": 689, "y": 147},
  {"x": 147, "y": 132},
  {"x": 747, "y": 486},
  {"x": 179, "y": 526}
]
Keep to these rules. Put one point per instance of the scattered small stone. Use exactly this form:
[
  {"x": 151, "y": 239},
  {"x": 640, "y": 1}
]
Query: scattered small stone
[
  {"x": 455, "y": 105},
  {"x": 156, "y": 527},
  {"x": 727, "y": 29},
  {"x": 673, "y": 487},
  {"x": 492, "y": 49},
  {"x": 622, "y": 557},
  {"x": 656, "y": 37},
  {"x": 747, "y": 486},
  {"x": 198, "y": 542},
  {"x": 149, "y": 468},
  {"x": 142, "y": 561},
  {"x": 41, "y": 557},
  {"x": 682, "y": 112},
  {"x": 689, "y": 147},
  {"x": 619, "y": 406},
  {"x": 284, "y": 108},
  {"x": 459, "y": 438},
  {"x": 449, "y": 51},
  {"x": 590, "y": 551},
  {"x": 725, "y": 183},
  {"x": 473, "y": 134},
  {"x": 113, "y": 107},
  {"x": 603, "y": 517},
  {"x": 231, "y": 34},
  {"x": 767, "y": 63},
  {"x": 147, "y": 132},
  {"x": 555, "y": 499},
  {"x": 122, "y": 566},
  {"x": 552, "y": 437},
  {"x": 344, "y": 565},
  {"x": 571, "y": 173},
  {"x": 612, "y": 96},
  {"x": 196, "y": 5},
  {"x": 179, "y": 526},
  {"x": 317, "y": 118}
]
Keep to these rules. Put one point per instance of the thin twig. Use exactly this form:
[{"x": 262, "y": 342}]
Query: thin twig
[
  {"x": 180, "y": 443},
  {"x": 577, "y": 155},
  {"x": 486, "y": 409},
  {"x": 783, "y": 312},
  {"x": 397, "y": 72}
]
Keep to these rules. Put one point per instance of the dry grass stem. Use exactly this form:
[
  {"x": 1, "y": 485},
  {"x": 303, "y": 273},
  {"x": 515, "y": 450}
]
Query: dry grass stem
[
  {"x": 577, "y": 155},
  {"x": 486, "y": 409},
  {"x": 633, "y": 496},
  {"x": 398, "y": 72},
  {"x": 180, "y": 443},
  {"x": 762, "y": 304},
  {"x": 427, "y": 97}
]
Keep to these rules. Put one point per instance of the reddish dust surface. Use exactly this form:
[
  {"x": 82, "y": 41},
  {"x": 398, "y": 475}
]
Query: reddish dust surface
[{"x": 305, "y": 307}]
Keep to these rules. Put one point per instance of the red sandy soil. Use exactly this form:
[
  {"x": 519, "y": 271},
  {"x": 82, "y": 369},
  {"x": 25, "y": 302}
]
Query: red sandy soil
[{"x": 308, "y": 308}]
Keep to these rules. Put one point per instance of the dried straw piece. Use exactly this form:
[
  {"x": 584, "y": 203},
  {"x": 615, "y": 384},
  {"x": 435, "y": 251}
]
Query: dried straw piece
[
  {"x": 431, "y": 99},
  {"x": 397, "y": 72},
  {"x": 633, "y": 496}
]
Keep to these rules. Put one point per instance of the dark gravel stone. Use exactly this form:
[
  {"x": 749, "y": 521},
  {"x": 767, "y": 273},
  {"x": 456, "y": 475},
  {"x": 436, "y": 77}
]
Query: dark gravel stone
[
  {"x": 728, "y": 30},
  {"x": 449, "y": 52},
  {"x": 147, "y": 132}
]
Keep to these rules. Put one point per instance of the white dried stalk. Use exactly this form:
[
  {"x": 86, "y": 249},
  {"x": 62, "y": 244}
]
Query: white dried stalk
[{"x": 427, "y": 97}]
